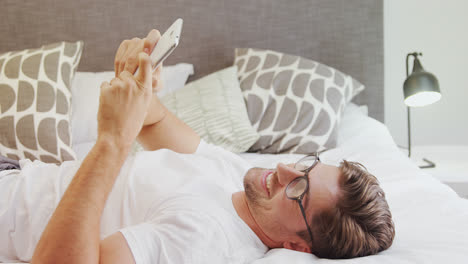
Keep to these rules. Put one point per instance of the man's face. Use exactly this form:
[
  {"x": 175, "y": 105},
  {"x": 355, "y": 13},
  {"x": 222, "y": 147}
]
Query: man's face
[{"x": 279, "y": 217}]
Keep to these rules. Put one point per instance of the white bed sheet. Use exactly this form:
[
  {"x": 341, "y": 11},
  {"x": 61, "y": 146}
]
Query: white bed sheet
[{"x": 431, "y": 221}]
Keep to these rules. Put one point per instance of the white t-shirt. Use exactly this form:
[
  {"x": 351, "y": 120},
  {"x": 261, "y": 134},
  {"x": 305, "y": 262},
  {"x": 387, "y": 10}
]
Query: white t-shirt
[{"x": 170, "y": 207}]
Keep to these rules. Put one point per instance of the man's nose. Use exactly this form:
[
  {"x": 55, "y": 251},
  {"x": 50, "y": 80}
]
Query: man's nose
[{"x": 287, "y": 173}]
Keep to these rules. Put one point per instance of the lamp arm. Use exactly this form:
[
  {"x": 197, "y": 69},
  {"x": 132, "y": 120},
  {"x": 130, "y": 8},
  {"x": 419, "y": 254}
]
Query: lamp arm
[
  {"x": 415, "y": 54},
  {"x": 407, "y": 108},
  {"x": 407, "y": 58},
  {"x": 409, "y": 131}
]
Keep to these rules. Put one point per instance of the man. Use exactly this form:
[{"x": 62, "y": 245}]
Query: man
[{"x": 183, "y": 201}]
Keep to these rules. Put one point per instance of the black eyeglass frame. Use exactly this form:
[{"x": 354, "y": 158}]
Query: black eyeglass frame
[{"x": 306, "y": 177}]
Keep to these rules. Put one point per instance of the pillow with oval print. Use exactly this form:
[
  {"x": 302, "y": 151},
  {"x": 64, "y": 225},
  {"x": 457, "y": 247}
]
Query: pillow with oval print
[
  {"x": 35, "y": 102},
  {"x": 295, "y": 104}
]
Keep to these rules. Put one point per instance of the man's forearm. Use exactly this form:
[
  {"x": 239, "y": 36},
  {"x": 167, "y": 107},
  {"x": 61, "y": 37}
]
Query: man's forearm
[
  {"x": 72, "y": 234},
  {"x": 168, "y": 132},
  {"x": 156, "y": 112}
]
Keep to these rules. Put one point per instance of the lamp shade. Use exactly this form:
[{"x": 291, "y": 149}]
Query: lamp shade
[{"x": 421, "y": 87}]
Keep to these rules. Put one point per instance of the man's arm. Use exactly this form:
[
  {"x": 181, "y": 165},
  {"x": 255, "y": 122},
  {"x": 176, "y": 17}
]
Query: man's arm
[
  {"x": 169, "y": 132},
  {"x": 72, "y": 233},
  {"x": 161, "y": 129}
]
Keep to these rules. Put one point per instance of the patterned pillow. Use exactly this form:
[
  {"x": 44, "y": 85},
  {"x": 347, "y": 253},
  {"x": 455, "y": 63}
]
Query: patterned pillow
[
  {"x": 294, "y": 103},
  {"x": 213, "y": 106},
  {"x": 35, "y": 102}
]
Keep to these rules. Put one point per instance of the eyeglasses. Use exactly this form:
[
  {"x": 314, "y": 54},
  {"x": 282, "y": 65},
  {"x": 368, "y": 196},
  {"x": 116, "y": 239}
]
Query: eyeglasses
[{"x": 298, "y": 187}]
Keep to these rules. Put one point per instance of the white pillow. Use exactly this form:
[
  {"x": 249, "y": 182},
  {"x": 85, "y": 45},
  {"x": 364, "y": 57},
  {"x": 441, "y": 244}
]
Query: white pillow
[
  {"x": 175, "y": 77},
  {"x": 85, "y": 97}
]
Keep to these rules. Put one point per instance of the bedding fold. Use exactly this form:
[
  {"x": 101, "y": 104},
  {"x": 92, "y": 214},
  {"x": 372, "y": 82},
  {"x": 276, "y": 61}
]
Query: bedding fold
[{"x": 8, "y": 164}]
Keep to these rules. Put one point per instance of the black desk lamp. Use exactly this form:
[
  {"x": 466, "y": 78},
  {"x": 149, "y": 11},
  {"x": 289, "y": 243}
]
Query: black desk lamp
[{"x": 421, "y": 88}]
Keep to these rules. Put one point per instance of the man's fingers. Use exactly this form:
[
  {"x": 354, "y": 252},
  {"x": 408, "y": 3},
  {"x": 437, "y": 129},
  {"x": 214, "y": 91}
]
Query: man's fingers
[
  {"x": 104, "y": 85},
  {"x": 131, "y": 46},
  {"x": 151, "y": 40},
  {"x": 118, "y": 56},
  {"x": 126, "y": 57},
  {"x": 154, "y": 84},
  {"x": 144, "y": 72},
  {"x": 157, "y": 71},
  {"x": 127, "y": 80},
  {"x": 132, "y": 58},
  {"x": 158, "y": 85},
  {"x": 117, "y": 82}
]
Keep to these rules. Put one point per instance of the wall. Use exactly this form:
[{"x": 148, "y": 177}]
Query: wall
[{"x": 439, "y": 29}]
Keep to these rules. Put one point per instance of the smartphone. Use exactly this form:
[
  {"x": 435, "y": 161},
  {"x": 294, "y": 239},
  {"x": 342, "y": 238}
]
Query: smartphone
[{"x": 166, "y": 44}]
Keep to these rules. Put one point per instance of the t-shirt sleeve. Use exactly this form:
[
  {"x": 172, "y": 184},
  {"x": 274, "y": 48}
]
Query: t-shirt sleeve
[
  {"x": 143, "y": 242},
  {"x": 203, "y": 148},
  {"x": 175, "y": 235}
]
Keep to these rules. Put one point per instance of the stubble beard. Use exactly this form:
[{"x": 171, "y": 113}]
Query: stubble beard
[{"x": 253, "y": 197}]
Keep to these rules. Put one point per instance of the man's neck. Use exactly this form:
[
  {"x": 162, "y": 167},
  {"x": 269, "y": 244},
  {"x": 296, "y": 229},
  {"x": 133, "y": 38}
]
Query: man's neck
[{"x": 242, "y": 208}]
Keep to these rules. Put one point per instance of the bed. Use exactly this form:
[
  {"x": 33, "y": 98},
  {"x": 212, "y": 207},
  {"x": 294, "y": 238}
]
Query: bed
[{"x": 431, "y": 220}]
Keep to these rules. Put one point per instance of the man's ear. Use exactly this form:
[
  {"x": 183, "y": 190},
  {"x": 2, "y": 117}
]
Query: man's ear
[{"x": 297, "y": 246}]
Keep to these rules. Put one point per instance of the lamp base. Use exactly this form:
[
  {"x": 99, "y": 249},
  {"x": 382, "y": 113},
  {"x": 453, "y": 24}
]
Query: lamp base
[{"x": 428, "y": 164}]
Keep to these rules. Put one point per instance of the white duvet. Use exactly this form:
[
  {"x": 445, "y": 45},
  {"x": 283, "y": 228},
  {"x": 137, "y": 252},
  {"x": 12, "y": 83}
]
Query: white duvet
[{"x": 431, "y": 221}]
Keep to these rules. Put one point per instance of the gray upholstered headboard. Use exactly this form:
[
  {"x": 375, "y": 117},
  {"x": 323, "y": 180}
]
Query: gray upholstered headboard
[{"x": 345, "y": 34}]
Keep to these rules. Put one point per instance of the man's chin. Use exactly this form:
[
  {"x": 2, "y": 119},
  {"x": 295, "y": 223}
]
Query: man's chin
[{"x": 252, "y": 193}]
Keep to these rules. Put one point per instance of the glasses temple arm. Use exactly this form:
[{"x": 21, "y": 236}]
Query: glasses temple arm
[{"x": 305, "y": 220}]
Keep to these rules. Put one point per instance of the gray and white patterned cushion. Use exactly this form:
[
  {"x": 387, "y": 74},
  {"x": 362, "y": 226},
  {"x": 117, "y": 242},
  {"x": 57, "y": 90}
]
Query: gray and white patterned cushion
[
  {"x": 35, "y": 102},
  {"x": 295, "y": 104}
]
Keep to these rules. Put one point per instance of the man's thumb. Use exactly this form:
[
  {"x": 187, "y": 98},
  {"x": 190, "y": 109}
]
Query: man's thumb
[{"x": 145, "y": 68}]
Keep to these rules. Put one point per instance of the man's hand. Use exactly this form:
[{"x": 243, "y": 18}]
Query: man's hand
[
  {"x": 124, "y": 103},
  {"x": 126, "y": 60},
  {"x": 126, "y": 56},
  {"x": 161, "y": 128}
]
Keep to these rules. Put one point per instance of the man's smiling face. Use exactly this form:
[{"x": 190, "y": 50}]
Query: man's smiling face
[{"x": 279, "y": 217}]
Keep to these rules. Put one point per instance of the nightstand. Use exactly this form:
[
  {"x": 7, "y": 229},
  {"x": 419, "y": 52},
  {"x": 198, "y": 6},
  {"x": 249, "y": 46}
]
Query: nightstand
[{"x": 451, "y": 165}]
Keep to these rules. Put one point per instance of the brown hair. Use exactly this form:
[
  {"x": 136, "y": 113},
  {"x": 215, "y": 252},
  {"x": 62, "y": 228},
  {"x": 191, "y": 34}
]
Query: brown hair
[{"x": 360, "y": 223}]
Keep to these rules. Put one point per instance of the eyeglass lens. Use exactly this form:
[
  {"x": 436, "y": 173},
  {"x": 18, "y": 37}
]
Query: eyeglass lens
[
  {"x": 296, "y": 188},
  {"x": 305, "y": 163}
]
